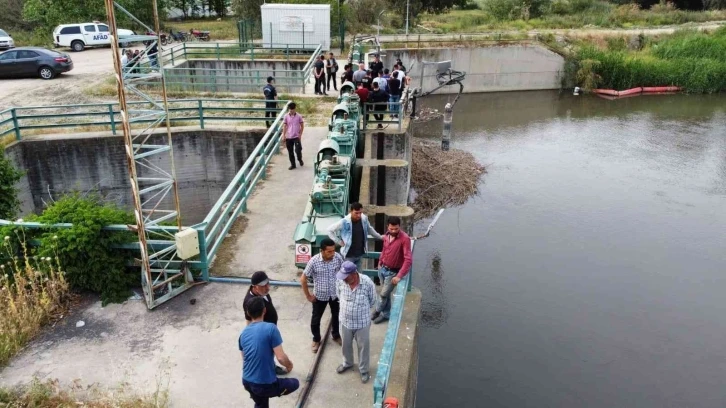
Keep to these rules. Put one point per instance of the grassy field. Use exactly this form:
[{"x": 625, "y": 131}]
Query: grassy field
[
  {"x": 590, "y": 14},
  {"x": 226, "y": 29},
  {"x": 691, "y": 60}
]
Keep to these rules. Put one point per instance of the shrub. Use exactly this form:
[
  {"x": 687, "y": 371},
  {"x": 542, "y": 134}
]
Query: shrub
[
  {"x": 85, "y": 250},
  {"x": 9, "y": 175}
]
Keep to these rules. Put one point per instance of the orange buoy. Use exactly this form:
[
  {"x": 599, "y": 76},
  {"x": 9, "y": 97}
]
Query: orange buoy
[{"x": 390, "y": 402}]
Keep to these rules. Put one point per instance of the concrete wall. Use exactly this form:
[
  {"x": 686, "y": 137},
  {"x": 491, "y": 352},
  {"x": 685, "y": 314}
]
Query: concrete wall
[
  {"x": 511, "y": 67},
  {"x": 236, "y": 76},
  {"x": 403, "y": 380},
  {"x": 205, "y": 160}
]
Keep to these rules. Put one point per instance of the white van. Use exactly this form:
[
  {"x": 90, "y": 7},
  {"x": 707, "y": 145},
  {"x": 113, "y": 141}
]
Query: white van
[{"x": 80, "y": 36}]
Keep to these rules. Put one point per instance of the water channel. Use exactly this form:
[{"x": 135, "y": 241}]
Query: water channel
[{"x": 591, "y": 270}]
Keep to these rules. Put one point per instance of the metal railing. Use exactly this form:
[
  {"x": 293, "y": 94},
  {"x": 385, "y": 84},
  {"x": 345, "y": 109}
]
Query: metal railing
[
  {"x": 106, "y": 116},
  {"x": 392, "y": 115},
  {"x": 236, "y": 51},
  {"x": 388, "y": 351},
  {"x": 231, "y": 203}
]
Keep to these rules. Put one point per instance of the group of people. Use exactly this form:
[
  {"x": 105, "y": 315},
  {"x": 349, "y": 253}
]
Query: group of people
[
  {"x": 379, "y": 85},
  {"x": 325, "y": 70},
  {"x": 131, "y": 59},
  {"x": 339, "y": 284}
]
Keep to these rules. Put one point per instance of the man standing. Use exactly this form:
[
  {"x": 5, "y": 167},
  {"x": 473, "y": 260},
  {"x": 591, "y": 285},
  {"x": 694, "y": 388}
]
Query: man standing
[
  {"x": 319, "y": 72},
  {"x": 270, "y": 95},
  {"x": 378, "y": 96},
  {"x": 261, "y": 287},
  {"x": 322, "y": 268},
  {"x": 348, "y": 74},
  {"x": 393, "y": 265},
  {"x": 358, "y": 75},
  {"x": 394, "y": 86},
  {"x": 363, "y": 94},
  {"x": 331, "y": 68},
  {"x": 357, "y": 295},
  {"x": 259, "y": 343},
  {"x": 367, "y": 81},
  {"x": 292, "y": 130},
  {"x": 376, "y": 66},
  {"x": 351, "y": 233},
  {"x": 382, "y": 82}
]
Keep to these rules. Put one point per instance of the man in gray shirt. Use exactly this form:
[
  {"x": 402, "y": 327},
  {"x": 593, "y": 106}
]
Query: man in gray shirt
[{"x": 358, "y": 75}]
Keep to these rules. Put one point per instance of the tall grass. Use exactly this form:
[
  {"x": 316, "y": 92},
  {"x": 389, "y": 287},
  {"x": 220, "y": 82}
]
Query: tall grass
[
  {"x": 32, "y": 291},
  {"x": 224, "y": 29},
  {"x": 691, "y": 60}
]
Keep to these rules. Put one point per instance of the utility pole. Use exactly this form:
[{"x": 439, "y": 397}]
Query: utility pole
[
  {"x": 378, "y": 35},
  {"x": 408, "y": 3}
]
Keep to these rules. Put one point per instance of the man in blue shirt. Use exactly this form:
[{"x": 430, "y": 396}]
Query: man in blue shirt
[{"x": 259, "y": 343}]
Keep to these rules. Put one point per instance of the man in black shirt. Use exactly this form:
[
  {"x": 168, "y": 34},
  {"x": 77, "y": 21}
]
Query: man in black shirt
[
  {"x": 376, "y": 66},
  {"x": 377, "y": 96},
  {"x": 261, "y": 288},
  {"x": 319, "y": 72},
  {"x": 367, "y": 81},
  {"x": 270, "y": 95},
  {"x": 348, "y": 74},
  {"x": 331, "y": 68}
]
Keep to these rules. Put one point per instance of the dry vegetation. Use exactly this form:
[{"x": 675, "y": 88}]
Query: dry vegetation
[
  {"x": 33, "y": 291},
  {"x": 442, "y": 178}
]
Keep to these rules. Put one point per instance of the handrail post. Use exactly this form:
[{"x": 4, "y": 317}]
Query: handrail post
[
  {"x": 185, "y": 50},
  {"x": 217, "y": 51},
  {"x": 203, "y": 258},
  {"x": 201, "y": 114},
  {"x": 303, "y": 35},
  {"x": 172, "y": 57},
  {"x": 15, "y": 123},
  {"x": 253, "y": 53},
  {"x": 113, "y": 121}
]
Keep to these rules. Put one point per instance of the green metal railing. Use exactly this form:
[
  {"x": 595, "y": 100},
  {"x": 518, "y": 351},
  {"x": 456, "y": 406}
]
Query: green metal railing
[
  {"x": 386, "y": 116},
  {"x": 106, "y": 116},
  {"x": 388, "y": 351},
  {"x": 237, "y": 51},
  {"x": 232, "y": 202}
]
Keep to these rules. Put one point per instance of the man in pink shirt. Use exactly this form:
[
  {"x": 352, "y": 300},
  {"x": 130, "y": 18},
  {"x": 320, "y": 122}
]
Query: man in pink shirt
[
  {"x": 292, "y": 130},
  {"x": 394, "y": 264}
]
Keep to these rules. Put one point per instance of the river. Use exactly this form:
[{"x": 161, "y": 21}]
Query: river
[{"x": 591, "y": 269}]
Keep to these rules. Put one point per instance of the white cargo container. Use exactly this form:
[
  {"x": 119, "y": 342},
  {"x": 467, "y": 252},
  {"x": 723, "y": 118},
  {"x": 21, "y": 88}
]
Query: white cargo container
[{"x": 296, "y": 25}]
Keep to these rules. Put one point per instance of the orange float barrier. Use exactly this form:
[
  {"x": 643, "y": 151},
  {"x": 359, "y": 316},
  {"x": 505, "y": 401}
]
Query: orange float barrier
[{"x": 636, "y": 91}]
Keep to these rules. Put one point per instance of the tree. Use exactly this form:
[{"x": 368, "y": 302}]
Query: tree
[
  {"x": 219, "y": 7},
  {"x": 9, "y": 175}
]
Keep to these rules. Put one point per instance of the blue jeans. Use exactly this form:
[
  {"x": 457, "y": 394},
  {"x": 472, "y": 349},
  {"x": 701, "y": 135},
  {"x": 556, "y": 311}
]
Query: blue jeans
[
  {"x": 394, "y": 108},
  {"x": 384, "y": 303},
  {"x": 261, "y": 393}
]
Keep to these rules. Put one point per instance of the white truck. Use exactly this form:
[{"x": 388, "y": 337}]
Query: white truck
[{"x": 80, "y": 36}]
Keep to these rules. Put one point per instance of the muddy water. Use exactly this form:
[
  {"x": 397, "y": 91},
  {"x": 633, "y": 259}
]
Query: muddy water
[{"x": 591, "y": 270}]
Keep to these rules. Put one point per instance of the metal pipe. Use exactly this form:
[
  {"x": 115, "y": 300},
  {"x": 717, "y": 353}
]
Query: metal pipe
[
  {"x": 245, "y": 281},
  {"x": 303, "y": 395},
  {"x": 407, "y": 5}
]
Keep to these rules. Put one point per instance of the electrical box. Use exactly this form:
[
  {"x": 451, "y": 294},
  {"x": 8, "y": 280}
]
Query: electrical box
[
  {"x": 187, "y": 243},
  {"x": 296, "y": 26}
]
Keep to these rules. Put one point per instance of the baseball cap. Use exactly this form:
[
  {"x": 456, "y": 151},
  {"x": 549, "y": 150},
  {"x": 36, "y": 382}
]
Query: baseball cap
[
  {"x": 270, "y": 79},
  {"x": 347, "y": 268},
  {"x": 260, "y": 278}
]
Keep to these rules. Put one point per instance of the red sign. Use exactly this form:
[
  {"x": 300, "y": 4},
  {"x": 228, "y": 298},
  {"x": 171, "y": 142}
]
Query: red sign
[{"x": 302, "y": 253}]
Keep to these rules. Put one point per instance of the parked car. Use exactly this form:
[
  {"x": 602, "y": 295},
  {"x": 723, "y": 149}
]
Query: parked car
[
  {"x": 34, "y": 61},
  {"x": 80, "y": 36},
  {"x": 6, "y": 41}
]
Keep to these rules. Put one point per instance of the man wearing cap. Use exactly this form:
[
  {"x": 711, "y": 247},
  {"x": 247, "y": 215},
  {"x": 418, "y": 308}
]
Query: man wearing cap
[
  {"x": 261, "y": 288},
  {"x": 357, "y": 295},
  {"x": 270, "y": 95},
  {"x": 351, "y": 233},
  {"x": 322, "y": 268},
  {"x": 393, "y": 265},
  {"x": 259, "y": 343}
]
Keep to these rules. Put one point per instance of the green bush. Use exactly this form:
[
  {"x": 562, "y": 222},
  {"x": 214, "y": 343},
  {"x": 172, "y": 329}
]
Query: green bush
[
  {"x": 84, "y": 251},
  {"x": 9, "y": 175}
]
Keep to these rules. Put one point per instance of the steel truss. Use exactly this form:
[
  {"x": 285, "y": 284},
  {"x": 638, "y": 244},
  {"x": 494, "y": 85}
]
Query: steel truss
[{"x": 150, "y": 152}]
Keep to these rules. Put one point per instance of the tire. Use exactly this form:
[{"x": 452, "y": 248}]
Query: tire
[
  {"x": 46, "y": 72},
  {"x": 77, "y": 46},
  {"x": 205, "y": 38},
  {"x": 164, "y": 41}
]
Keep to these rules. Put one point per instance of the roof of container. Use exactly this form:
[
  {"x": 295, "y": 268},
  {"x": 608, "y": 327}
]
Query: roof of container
[{"x": 296, "y": 6}]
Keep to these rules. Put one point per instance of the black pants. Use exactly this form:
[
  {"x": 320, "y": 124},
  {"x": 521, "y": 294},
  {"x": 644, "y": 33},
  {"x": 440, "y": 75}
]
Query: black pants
[
  {"x": 297, "y": 146},
  {"x": 335, "y": 83},
  {"x": 318, "y": 310},
  {"x": 320, "y": 84},
  {"x": 261, "y": 393},
  {"x": 270, "y": 114}
]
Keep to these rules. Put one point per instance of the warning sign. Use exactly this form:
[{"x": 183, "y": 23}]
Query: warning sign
[{"x": 302, "y": 253}]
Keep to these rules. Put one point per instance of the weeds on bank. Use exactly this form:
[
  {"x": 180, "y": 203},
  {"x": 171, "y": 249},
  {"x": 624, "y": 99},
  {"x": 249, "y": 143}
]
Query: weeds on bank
[
  {"x": 32, "y": 291},
  {"x": 225, "y": 29},
  {"x": 50, "y": 394}
]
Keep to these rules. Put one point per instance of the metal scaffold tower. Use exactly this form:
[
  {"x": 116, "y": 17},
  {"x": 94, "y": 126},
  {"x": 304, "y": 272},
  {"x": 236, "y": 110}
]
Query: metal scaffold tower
[{"x": 149, "y": 152}]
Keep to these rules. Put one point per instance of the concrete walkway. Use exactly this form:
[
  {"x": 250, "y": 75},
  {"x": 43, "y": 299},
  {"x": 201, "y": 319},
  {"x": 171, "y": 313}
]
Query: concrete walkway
[{"x": 264, "y": 233}]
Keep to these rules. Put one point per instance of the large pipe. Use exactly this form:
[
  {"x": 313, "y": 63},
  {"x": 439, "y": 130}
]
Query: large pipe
[
  {"x": 310, "y": 378},
  {"x": 295, "y": 284}
]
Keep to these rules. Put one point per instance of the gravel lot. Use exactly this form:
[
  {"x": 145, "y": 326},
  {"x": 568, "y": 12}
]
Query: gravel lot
[{"x": 89, "y": 67}]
